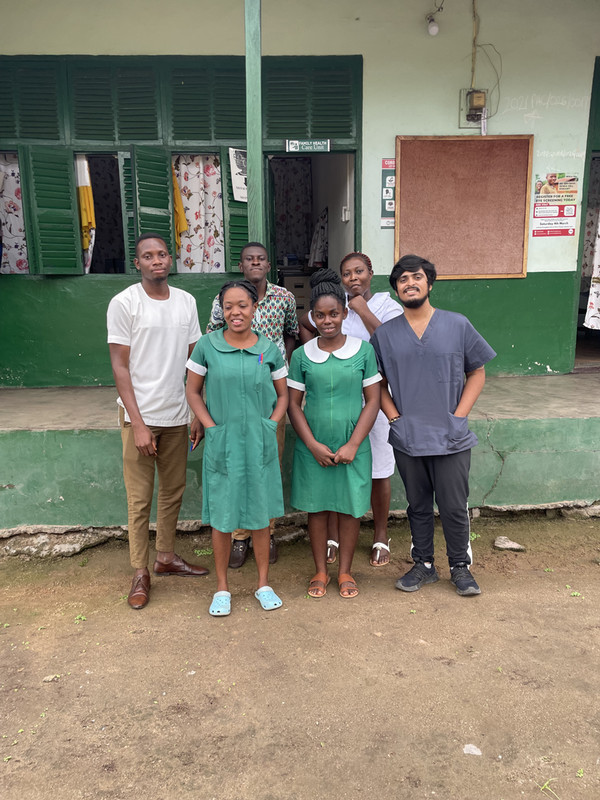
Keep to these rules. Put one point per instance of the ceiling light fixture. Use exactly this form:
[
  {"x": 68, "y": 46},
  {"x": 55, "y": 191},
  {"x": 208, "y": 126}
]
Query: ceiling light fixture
[{"x": 432, "y": 25}]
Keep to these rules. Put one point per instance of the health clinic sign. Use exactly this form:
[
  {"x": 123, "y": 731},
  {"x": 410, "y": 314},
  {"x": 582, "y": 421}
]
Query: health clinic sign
[{"x": 307, "y": 145}]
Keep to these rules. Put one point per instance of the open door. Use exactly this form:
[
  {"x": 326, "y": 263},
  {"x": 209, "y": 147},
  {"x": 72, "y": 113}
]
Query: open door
[{"x": 301, "y": 191}]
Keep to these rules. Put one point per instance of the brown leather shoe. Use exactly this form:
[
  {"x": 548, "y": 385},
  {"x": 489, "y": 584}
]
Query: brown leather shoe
[
  {"x": 139, "y": 594},
  {"x": 239, "y": 553},
  {"x": 179, "y": 567},
  {"x": 273, "y": 553}
]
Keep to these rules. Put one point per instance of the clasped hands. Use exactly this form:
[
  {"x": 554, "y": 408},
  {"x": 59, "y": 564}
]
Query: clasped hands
[{"x": 326, "y": 458}]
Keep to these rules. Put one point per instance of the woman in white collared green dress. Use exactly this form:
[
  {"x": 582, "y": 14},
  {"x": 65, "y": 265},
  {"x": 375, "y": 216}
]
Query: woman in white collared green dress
[{"x": 332, "y": 463}]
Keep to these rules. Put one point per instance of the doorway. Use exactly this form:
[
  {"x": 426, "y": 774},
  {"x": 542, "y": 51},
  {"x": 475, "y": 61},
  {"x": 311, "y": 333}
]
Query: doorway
[{"x": 311, "y": 200}]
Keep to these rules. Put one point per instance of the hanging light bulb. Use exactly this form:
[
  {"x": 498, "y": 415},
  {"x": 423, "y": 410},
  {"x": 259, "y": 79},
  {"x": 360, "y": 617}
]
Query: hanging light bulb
[{"x": 432, "y": 27}]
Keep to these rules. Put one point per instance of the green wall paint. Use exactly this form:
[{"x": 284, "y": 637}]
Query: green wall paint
[
  {"x": 53, "y": 330},
  {"x": 74, "y": 477}
]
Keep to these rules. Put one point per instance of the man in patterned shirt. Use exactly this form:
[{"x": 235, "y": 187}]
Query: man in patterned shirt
[{"x": 275, "y": 317}]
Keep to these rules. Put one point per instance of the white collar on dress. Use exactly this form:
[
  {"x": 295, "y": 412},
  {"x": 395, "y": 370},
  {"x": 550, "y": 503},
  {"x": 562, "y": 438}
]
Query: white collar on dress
[{"x": 347, "y": 350}]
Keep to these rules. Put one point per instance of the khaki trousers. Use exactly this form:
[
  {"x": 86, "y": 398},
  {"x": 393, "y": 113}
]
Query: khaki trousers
[
  {"x": 240, "y": 534},
  {"x": 170, "y": 462}
]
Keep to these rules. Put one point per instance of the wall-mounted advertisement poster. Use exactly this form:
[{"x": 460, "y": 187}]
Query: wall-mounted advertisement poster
[{"x": 555, "y": 204}]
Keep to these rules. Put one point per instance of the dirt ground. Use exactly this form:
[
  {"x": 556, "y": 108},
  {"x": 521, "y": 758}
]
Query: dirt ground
[{"x": 375, "y": 697}]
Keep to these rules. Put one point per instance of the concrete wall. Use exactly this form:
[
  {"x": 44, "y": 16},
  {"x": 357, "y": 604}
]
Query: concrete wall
[
  {"x": 76, "y": 476},
  {"x": 411, "y": 86}
]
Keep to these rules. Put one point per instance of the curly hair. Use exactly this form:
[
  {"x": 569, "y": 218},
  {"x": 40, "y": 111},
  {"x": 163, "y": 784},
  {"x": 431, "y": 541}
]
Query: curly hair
[{"x": 364, "y": 258}]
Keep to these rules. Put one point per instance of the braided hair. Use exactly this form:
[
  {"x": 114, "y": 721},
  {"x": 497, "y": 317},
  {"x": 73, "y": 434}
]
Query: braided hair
[
  {"x": 364, "y": 258},
  {"x": 326, "y": 282},
  {"x": 248, "y": 287}
]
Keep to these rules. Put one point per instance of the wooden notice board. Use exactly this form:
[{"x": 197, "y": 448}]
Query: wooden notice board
[{"x": 462, "y": 202}]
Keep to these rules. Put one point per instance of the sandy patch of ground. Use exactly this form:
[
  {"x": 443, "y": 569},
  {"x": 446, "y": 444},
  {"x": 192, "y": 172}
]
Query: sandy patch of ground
[{"x": 373, "y": 697}]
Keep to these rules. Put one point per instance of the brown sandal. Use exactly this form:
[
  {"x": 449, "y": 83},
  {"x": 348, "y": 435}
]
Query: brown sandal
[
  {"x": 347, "y": 587},
  {"x": 317, "y": 587}
]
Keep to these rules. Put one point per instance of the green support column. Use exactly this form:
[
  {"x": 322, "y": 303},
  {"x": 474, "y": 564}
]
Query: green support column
[{"x": 256, "y": 192}]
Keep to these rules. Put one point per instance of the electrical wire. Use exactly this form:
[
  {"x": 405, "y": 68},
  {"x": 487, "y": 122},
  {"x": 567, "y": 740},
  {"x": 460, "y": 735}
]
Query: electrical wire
[
  {"x": 474, "y": 46},
  {"x": 496, "y": 72}
]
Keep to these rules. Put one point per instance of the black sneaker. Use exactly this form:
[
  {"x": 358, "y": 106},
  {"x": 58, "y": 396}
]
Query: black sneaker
[
  {"x": 416, "y": 577},
  {"x": 465, "y": 583},
  {"x": 239, "y": 553}
]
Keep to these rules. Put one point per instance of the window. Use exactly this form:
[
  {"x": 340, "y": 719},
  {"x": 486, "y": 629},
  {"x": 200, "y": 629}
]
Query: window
[{"x": 130, "y": 116}]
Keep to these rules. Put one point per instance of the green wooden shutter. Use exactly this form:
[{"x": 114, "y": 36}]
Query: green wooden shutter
[
  {"x": 128, "y": 209},
  {"x": 8, "y": 103},
  {"x": 286, "y": 103},
  {"x": 91, "y": 92},
  {"x": 190, "y": 97},
  {"x": 313, "y": 98},
  {"x": 29, "y": 95},
  {"x": 235, "y": 218},
  {"x": 138, "y": 104},
  {"x": 229, "y": 103},
  {"x": 332, "y": 108},
  {"x": 52, "y": 213},
  {"x": 153, "y": 181},
  {"x": 38, "y": 91}
]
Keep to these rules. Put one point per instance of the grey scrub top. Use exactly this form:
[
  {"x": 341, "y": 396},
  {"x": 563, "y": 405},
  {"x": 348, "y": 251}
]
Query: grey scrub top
[{"x": 426, "y": 379}]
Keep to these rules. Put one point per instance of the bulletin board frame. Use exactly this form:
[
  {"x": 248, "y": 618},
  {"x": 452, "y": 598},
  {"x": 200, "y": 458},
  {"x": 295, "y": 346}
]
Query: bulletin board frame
[{"x": 463, "y": 203}]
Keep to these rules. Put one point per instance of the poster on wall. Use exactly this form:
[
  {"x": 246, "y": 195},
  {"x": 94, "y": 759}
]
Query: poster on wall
[
  {"x": 555, "y": 204},
  {"x": 388, "y": 184},
  {"x": 239, "y": 173}
]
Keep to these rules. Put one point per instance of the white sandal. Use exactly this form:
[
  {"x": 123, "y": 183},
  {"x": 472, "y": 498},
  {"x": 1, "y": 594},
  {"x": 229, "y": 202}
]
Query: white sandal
[
  {"x": 379, "y": 546},
  {"x": 332, "y": 548}
]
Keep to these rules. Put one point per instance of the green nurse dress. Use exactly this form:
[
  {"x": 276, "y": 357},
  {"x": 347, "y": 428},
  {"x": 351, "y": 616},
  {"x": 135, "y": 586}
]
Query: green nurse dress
[
  {"x": 241, "y": 479},
  {"x": 333, "y": 383}
]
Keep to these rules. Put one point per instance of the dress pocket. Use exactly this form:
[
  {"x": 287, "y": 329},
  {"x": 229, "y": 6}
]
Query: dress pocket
[
  {"x": 215, "y": 449},
  {"x": 269, "y": 436}
]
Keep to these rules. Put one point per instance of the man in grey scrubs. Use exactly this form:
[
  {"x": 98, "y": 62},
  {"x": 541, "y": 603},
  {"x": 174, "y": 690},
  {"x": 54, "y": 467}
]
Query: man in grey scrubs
[{"x": 433, "y": 365}]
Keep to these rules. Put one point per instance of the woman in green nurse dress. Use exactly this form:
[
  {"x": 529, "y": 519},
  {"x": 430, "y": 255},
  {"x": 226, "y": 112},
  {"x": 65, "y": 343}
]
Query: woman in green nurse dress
[
  {"x": 246, "y": 395},
  {"x": 332, "y": 457}
]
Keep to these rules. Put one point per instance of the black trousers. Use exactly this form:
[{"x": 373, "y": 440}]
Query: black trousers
[{"x": 447, "y": 479}]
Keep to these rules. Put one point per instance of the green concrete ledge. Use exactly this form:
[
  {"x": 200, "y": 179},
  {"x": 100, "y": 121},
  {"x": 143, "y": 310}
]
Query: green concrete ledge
[{"x": 73, "y": 477}]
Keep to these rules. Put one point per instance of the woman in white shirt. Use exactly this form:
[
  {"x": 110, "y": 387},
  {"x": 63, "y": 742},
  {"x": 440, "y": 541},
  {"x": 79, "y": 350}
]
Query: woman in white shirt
[{"x": 366, "y": 312}]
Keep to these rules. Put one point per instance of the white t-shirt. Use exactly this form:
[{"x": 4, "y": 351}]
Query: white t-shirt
[{"x": 158, "y": 333}]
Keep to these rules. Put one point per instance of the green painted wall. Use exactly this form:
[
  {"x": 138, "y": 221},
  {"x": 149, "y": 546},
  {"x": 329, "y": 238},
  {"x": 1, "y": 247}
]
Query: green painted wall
[
  {"x": 53, "y": 330},
  {"x": 75, "y": 478}
]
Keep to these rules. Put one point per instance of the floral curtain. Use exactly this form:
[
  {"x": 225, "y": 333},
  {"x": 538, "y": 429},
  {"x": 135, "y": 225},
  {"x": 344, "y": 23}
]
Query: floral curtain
[
  {"x": 202, "y": 246},
  {"x": 292, "y": 179},
  {"x": 12, "y": 225},
  {"x": 591, "y": 250}
]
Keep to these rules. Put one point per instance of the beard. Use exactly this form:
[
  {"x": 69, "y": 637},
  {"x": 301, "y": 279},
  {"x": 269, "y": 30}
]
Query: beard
[{"x": 415, "y": 302}]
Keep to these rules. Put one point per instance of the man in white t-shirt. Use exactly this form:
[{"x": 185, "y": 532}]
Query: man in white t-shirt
[{"x": 152, "y": 330}]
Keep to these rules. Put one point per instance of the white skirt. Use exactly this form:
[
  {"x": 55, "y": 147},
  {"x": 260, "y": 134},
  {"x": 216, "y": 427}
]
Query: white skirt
[{"x": 383, "y": 453}]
